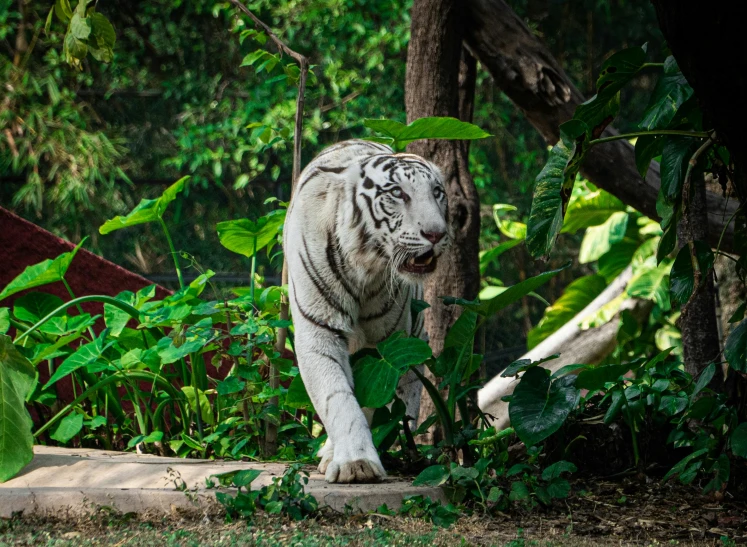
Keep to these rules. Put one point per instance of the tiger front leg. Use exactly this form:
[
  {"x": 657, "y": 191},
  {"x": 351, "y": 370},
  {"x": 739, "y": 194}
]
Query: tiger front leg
[{"x": 349, "y": 455}]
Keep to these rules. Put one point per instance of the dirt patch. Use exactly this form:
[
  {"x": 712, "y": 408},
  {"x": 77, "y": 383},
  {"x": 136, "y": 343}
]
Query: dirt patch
[{"x": 631, "y": 511}]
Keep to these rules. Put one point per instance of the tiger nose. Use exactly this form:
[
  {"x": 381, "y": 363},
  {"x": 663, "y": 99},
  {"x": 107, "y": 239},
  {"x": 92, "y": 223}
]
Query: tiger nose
[{"x": 433, "y": 237}]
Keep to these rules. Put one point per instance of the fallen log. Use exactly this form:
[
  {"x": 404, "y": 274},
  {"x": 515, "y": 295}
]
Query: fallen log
[{"x": 572, "y": 343}]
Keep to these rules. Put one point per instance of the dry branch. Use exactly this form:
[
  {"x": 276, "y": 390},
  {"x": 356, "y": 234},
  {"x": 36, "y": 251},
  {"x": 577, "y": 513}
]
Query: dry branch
[{"x": 271, "y": 432}]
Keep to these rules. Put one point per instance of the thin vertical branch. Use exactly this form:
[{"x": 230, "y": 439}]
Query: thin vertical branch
[{"x": 271, "y": 431}]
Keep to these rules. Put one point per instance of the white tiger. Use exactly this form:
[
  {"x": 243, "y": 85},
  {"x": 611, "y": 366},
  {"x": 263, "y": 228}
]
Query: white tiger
[{"x": 364, "y": 227}]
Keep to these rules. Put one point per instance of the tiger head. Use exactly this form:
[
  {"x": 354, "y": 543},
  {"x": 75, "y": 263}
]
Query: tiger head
[{"x": 405, "y": 198}]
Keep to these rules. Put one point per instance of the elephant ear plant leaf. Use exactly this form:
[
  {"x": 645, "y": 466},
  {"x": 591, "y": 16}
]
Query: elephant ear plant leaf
[
  {"x": 16, "y": 381},
  {"x": 399, "y": 135},
  {"x": 45, "y": 272},
  {"x": 151, "y": 210}
]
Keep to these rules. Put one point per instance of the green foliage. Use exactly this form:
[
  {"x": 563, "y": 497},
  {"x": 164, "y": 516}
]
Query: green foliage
[
  {"x": 553, "y": 188},
  {"x": 539, "y": 406},
  {"x": 87, "y": 32},
  {"x": 16, "y": 382},
  {"x": 682, "y": 276},
  {"x": 376, "y": 379},
  {"x": 285, "y": 496},
  {"x": 148, "y": 210},
  {"x": 43, "y": 273},
  {"x": 246, "y": 237},
  {"x": 735, "y": 350},
  {"x": 399, "y": 135},
  {"x": 576, "y": 297}
]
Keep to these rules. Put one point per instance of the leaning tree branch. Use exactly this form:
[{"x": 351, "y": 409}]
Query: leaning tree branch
[
  {"x": 271, "y": 431},
  {"x": 574, "y": 345},
  {"x": 531, "y": 77}
]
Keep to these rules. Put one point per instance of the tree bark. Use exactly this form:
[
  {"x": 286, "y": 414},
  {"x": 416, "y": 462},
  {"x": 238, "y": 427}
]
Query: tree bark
[
  {"x": 440, "y": 81},
  {"x": 700, "y": 339},
  {"x": 529, "y": 75}
]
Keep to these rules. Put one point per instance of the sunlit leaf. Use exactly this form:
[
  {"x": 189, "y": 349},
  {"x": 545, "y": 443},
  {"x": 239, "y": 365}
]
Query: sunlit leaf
[
  {"x": 598, "y": 240},
  {"x": 43, "y": 273},
  {"x": 148, "y": 210},
  {"x": 244, "y": 236},
  {"x": 553, "y": 188},
  {"x": 575, "y": 298},
  {"x": 426, "y": 128},
  {"x": 671, "y": 91}
]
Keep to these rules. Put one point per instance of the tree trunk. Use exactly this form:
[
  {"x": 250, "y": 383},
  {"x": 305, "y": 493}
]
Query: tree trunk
[
  {"x": 528, "y": 74},
  {"x": 440, "y": 81},
  {"x": 705, "y": 40},
  {"x": 700, "y": 340}
]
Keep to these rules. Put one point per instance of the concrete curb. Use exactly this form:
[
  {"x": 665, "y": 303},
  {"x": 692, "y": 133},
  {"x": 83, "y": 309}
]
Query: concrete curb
[{"x": 77, "y": 482}]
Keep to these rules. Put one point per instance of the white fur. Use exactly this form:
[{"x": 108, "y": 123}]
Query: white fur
[{"x": 346, "y": 288}]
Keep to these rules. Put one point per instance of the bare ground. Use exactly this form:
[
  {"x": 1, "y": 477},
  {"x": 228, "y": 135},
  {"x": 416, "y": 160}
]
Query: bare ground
[{"x": 631, "y": 511}]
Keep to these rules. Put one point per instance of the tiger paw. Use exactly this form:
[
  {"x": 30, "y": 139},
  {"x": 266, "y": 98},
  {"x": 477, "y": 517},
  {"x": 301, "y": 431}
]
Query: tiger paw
[
  {"x": 360, "y": 470},
  {"x": 327, "y": 454}
]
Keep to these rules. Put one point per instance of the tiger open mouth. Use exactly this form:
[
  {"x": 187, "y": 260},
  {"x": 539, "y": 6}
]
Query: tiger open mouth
[{"x": 421, "y": 264}]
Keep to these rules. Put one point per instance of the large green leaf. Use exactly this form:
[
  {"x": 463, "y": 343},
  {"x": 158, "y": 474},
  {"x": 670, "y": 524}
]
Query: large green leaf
[
  {"x": 16, "y": 380},
  {"x": 652, "y": 283},
  {"x": 486, "y": 257},
  {"x": 206, "y": 411},
  {"x": 43, "y": 273},
  {"x": 376, "y": 379},
  {"x": 594, "y": 378},
  {"x": 426, "y": 128},
  {"x": 297, "y": 397},
  {"x": 402, "y": 352},
  {"x": 671, "y": 91},
  {"x": 616, "y": 71},
  {"x": 4, "y": 320},
  {"x": 735, "y": 349},
  {"x": 435, "y": 475},
  {"x": 33, "y": 306},
  {"x": 68, "y": 427},
  {"x": 85, "y": 356},
  {"x": 148, "y": 210},
  {"x": 576, "y": 297},
  {"x": 539, "y": 407},
  {"x": 509, "y": 296},
  {"x": 739, "y": 440},
  {"x": 682, "y": 276},
  {"x": 613, "y": 262},
  {"x": 553, "y": 188},
  {"x": 647, "y": 147},
  {"x": 674, "y": 158},
  {"x": 244, "y": 236},
  {"x": 590, "y": 209},
  {"x": 115, "y": 318},
  {"x": 510, "y": 228},
  {"x": 598, "y": 240}
]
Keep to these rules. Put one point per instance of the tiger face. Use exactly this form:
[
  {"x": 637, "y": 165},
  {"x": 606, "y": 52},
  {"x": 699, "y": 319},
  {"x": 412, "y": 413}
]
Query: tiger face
[{"x": 405, "y": 198}]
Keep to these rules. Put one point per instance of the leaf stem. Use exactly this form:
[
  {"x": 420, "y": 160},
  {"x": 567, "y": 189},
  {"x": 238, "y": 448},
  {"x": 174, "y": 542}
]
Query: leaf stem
[
  {"x": 77, "y": 306},
  {"x": 173, "y": 252},
  {"x": 77, "y": 301},
  {"x": 651, "y": 65},
  {"x": 678, "y": 132}
]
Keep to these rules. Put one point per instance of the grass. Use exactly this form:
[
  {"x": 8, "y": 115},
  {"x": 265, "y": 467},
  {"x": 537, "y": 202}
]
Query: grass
[{"x": 335, "y": 530}]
